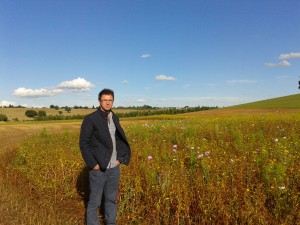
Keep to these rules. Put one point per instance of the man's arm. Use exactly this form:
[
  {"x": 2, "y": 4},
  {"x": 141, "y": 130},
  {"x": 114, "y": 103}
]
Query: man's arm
[{"x": 85, "y": 138}]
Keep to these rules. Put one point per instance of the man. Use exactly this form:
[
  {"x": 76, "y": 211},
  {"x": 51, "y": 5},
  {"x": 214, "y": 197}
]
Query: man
[{"x": 104, "y": 147}]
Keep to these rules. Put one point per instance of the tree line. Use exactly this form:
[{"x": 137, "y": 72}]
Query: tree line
[
  {"x": 137, "y": 113},
  {"x": 168, "y": 111},
  {"x": 145, "y": 110}
]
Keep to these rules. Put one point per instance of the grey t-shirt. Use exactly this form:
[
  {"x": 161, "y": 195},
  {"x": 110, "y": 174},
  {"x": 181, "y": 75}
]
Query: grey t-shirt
[{"x": 112, "y": 131}]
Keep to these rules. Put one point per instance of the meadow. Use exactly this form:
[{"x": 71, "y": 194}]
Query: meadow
[{"x": 218, "y": 168}]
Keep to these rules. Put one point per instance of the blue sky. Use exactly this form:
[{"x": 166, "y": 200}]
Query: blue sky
[{"x": 150, "y": 52}]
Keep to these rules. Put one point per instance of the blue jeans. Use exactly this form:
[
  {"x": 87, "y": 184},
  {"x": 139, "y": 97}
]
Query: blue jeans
[{"x": 106, "y": 184}]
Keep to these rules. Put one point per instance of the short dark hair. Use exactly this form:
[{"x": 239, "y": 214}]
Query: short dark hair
[{"x": 106, "y": 91}]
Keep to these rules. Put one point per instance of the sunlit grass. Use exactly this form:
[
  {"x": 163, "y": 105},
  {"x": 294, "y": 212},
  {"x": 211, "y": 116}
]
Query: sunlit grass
[{"x": 202, "y": 170}]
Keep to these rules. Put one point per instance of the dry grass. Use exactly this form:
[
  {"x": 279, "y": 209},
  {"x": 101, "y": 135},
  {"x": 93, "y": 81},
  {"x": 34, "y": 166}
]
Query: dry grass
[
  {"x": 230, "y": 111},
  {"x": 13, "y": 133},
  {"x": 20, "y": 202},
  {"x": 239, "y": 182}
]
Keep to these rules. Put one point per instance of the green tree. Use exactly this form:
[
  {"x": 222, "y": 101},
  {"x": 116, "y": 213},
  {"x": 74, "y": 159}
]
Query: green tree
[
  {"x": 31, "y": 113},
  {"x": 68, "y": 109}
]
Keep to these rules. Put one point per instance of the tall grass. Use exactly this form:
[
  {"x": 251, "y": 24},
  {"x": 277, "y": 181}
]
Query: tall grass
[{"x": 209, "y": 170}]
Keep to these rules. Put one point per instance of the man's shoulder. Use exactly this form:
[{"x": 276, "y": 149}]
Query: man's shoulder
[{"x": 92, "y": 114}]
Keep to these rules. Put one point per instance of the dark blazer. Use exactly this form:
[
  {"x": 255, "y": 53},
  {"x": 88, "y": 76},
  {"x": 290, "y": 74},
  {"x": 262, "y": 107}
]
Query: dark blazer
[{"x": 96, "y": 144}]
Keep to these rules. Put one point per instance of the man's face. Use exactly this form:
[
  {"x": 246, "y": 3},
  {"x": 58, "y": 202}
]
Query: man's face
[{"x": 106, "y": 102}]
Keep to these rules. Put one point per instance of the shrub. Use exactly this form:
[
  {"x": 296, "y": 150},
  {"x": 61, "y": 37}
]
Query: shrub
[
  {"x": 42, "y": 113},
  {"x": 3, "y": 117}
]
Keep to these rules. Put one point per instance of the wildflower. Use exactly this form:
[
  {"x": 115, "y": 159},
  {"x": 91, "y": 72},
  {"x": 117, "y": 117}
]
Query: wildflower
[
  {"x": 200, "y": 156},
  {"x": 174, "y": 146},
  {"x": 174, "y": 150},
  {"x": 146, "y": 125},
  {"x": 150, "y": 157},
  {"x": 281, "y": 188},
  {"x": 192, "y": 148},
  {"x": 206, "y": 153},
  {"x": 276, "y": 140}
]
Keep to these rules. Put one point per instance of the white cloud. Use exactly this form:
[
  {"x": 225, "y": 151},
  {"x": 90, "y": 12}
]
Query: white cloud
[
  {"x": 291, "y": 55},
  {"x": 78, "y": 84},
  {"x": 241, "y": 81},
  {"x": 6, "y": 103},
  {"x": 282, "y": 63},
  {"x": 125, "y": 81},
  {"x": 164, "y": 77},
  {"x": 42, "y": 92},
  {"x": 145, "y": 56}
]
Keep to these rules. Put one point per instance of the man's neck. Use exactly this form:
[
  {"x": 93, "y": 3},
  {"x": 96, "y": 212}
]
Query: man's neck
[{"x": 103, "y": 110}]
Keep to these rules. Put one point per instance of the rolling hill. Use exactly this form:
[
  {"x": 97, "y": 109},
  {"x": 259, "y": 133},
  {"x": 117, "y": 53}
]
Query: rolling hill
[{"x": 285, "y": 102}]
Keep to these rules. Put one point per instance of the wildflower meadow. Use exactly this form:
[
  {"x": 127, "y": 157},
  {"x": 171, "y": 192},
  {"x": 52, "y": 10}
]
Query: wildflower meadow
[{"x": 241, "y": 169}]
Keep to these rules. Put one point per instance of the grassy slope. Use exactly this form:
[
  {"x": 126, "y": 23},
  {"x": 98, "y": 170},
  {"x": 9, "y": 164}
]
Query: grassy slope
[{"x": 286, "y": 102}]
